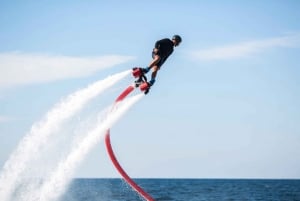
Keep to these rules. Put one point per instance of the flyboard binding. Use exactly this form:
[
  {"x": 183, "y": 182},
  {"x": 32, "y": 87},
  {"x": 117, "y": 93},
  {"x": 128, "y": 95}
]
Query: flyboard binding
[{"x": 141, "y": 81}]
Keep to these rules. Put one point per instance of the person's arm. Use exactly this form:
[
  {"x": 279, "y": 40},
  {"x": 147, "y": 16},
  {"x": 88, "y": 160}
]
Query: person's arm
[
  {"x": 156, "y": 55},
  {"x": 156, "y": 47},
  {"x": 154, "y": 61}
]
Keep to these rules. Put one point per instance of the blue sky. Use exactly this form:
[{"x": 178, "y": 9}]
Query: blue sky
[{"x": 225, "y": 104}]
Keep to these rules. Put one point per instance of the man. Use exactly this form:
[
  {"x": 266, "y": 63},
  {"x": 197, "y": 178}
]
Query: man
[{"x": 162, "y": 50}]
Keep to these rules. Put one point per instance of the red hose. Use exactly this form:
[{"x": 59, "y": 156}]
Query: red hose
[{"x": 113, "y": 158}]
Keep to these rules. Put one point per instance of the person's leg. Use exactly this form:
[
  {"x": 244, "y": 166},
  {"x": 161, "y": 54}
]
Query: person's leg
[
  {"x": 154, "y": 72},
  {"x": 155, "y": 69}
]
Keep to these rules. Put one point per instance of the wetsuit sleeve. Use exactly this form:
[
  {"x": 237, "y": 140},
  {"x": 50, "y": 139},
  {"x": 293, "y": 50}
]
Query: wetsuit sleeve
[{"x": 157, "y": 44}]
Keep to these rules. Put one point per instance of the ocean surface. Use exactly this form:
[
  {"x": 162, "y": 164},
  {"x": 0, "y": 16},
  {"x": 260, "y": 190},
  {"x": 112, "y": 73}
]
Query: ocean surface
[{"x": 185, "y": 190}]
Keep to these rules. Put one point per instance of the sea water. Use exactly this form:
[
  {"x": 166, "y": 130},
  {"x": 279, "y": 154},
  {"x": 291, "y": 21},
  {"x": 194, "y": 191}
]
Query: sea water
[{"x": 185, "y": 190}]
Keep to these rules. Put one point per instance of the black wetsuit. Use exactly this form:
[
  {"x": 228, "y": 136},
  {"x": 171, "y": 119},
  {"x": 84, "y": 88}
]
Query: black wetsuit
[{"x": 165, "y": 49}]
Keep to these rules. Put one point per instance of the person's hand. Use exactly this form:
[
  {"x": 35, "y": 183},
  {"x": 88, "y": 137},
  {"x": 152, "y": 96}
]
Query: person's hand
[{"x": 155, "y": 51}]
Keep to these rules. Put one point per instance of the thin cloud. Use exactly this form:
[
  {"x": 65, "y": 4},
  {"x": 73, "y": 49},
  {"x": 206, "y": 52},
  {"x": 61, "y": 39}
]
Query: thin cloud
[
  {"x": 248, "y": 48},
  {"x": 4, "y": 119},
  {"x": 20, "y": 68}
]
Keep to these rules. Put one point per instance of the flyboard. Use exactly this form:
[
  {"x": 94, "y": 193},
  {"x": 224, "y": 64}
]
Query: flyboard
[{"x": 144, "y": 87}]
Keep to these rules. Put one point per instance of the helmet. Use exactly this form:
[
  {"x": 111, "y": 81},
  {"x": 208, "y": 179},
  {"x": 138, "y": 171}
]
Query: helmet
[{"x": 177, "y": 38}]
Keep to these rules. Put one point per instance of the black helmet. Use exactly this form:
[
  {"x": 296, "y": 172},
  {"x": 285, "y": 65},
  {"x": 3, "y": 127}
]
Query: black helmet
[{"x": 177, "y": 38}]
